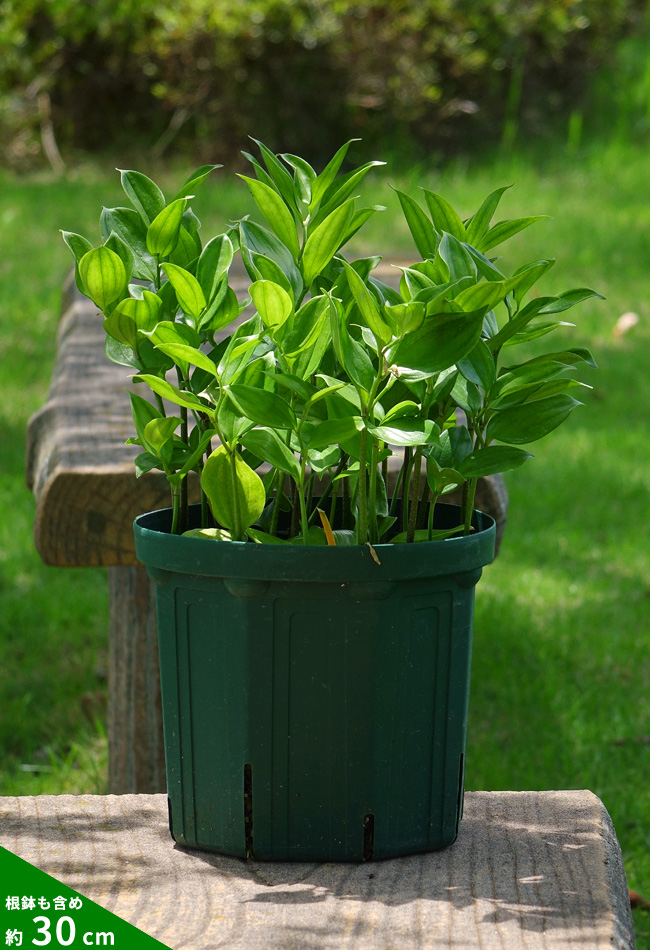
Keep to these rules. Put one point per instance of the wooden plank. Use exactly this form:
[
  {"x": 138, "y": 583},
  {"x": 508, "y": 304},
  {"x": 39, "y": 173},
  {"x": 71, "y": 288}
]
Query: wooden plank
[{"x": 530, "y": 871}]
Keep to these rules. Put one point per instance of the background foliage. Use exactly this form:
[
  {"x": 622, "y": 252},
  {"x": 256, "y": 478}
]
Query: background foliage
[{"x": 305, "y": 74}]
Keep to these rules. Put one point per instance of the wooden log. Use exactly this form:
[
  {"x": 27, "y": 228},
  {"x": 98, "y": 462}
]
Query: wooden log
[
  {"x": 530, "y": 871},
  {"x": 78, "y": 466},
  {"x": 136, "y": 751}
]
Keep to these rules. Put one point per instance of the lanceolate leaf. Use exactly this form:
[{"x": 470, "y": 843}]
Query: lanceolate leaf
[
  {"x": 168, "y": 391},
  {"x": 264, "y": 408},
  {"x": 480, "y": 222},
  {"x": 423, "y": 232},
  {"x": 532, "y": 421},
  {"x": 267, "y": 445},
  {"x": 214, "y": 262},
  {"x": 182, "y": 354},
  {"x": 276, "y": 213},
  {"x": 329, "y": 173},
  {"x": 444, "y": 217},
  {"x": 441, "y": 341},
  {"x": 325, "y": 240},
  {"x": 194, "y": 180},
  {"x": 146, "y": 196},
  {"x": 163, "y": 232},
  {"x": 187, "y": 288},
  {"x": 492, "y": 460},
  {"x": 334, "y": 432},
  {"x": 506, "y": 229},
  {"x": 367, "y": 304}
]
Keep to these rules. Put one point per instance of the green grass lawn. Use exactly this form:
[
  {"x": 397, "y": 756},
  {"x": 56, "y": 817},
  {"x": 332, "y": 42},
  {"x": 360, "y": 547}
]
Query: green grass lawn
[{"x": 561, "y": 677}]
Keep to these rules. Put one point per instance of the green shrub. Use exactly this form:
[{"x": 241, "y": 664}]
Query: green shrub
[{"x": 299, "y": 73}]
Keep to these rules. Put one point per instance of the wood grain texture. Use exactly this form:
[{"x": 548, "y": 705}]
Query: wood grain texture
[{"x": 530, "y": 871}]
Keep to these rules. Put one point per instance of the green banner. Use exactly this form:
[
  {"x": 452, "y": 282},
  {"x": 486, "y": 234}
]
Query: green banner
[{"x": 36, "y": 910}]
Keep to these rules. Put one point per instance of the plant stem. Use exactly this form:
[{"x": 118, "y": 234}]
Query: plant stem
[
  {"x": 275, "y": 517},
  {"x": 469, "y": 491},
  {"x": 415, "y": 495},
  {"x": 372, "y": 493},
  {"x": 176, "y": 505},
  {"x": 362, "y": 518},
  {"x": 406, "y": 486}
]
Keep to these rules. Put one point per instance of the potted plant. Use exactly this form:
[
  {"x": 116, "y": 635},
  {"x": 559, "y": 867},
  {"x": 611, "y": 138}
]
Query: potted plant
[{"x": 315, "y": 609}]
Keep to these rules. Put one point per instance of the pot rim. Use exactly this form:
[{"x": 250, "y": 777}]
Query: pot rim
[{"x": 159, "y": 549}]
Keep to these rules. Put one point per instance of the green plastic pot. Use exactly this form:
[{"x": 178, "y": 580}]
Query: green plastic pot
[{"x": 314, "y": 701}]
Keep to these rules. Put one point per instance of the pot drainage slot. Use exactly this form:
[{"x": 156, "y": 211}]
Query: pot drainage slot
[
  {"x": 461, "y": 788},
  {"x": 368, "y": 837},
  {"x": 248, "y": 810}
]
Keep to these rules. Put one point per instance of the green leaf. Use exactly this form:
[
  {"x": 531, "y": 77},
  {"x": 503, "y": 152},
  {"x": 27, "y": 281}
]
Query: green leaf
[
  {"x": 255, "y": 238},
  {"x": 528, "y": 275},
  {"x": 276, "y": 213},
  {"x": 440, "y": 343},
  {"x": 121, "y": 327},
  {"x": 329, "y": 173},
  {"x": 235, "y": 492},
  {"x": 262, "y": 537},
  {"x": 325, "y": 240},
  {"x": 423, "y": 232},
  {"x": 143, "y": 412},
  {"x": 164, "y": 230},
  {"x": 130, "y": 227},
  {"x": 158, "y": 432},
  {"x": 116, "y": 244},
  {"x": 188, "y": 290},
  {"x": 478, "y": 366},
  {"x": 439, "y": 478},
  {"x": 341, "y": 189},
  {"x": 262, "y": 407},
  {"x": 208, "y": 534},
  {"x": 457, "y": 258},
  {"x": 492, "y": 461},
  {"x": 188, "y": 247},
  {"x": 183, "y": 354},
  {"x": 104, "y": 277},
  {"x": 279, "y": 175},
  {"x": 406, "y": 431},
  {"x": 79, "y": 246},
  {"x": 532, "y": 421},
  {"x": 479, "y": 223},
  {"x": 266, "y": 444},
  {"x": 506, "y": 229},
  {"x": 368, "y": 306},
  {"x": 214, "y": 262},
  {"x": 306, "y": 327},
  {"x": 170, "y": 392},
  {"x": 272, "y": 302},
  {"x": 334, "y": 432},
  {"x": 444, "y": 217},
  {"x": 145, "y": 195},
  {"x": 487, "y": 294},
  {"x": 569, "y": 299},
  {"x": 194, "y": 180}
]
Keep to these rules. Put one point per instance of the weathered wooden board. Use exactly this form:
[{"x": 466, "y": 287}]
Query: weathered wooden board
[{"x": 530, "y": 871}]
